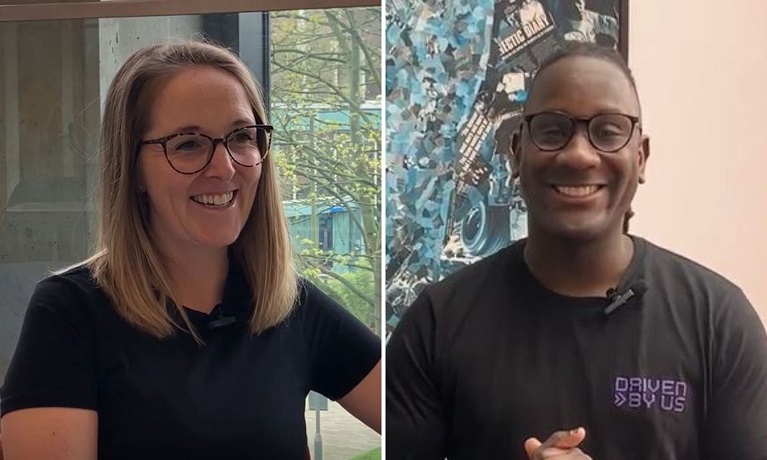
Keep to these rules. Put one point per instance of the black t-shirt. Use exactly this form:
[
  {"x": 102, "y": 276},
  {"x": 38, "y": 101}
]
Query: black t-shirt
[
  {"x": 489, "y": 357},
  {"x": 236, "y": 397}
]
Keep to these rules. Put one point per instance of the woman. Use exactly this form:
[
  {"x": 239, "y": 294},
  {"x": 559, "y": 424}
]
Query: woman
[{"x": 188, "y": 334}]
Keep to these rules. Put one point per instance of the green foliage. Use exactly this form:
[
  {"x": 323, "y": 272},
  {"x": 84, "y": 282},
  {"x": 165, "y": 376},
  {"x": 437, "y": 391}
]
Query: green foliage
[
  {"x": 312, "y": 55},
  {"x": 374, "y": 454},
  {"x": 327, "y": 141}
]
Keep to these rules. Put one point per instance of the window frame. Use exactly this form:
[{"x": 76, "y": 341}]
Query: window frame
[{"x": 139, "y": 8}]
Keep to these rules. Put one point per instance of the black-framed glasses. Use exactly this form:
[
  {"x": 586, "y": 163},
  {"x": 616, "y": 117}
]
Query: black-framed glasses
[
  {"x": 189, "y": 153},
  {"x": 607, "y": 132}
]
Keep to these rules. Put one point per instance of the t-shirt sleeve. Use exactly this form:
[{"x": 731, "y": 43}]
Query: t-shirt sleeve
[
  {"x": 342, "y": 350},
  {"x": 54, "y": 361},
  {"x": 415, "y": 420},
  {"x": 736, "y": 417}
]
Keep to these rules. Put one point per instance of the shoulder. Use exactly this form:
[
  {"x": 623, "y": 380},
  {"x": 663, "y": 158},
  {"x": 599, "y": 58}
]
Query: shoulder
[
  {"x": 308, "y": 291},
  {"x": 687, "y": 284},
  {"x": 310, "y": 296},
  {"x": 76, "y": 277},
  {"x": 71, "y": 292},
  {"x": 77, "y": 280},
  {"x": 479, "y": 279},
  {"x": 475, "y": 291},
  {"x": 685, "y": 272},
  {"x": 325, "y": 322},
  {"x": 313, "y": 305}
]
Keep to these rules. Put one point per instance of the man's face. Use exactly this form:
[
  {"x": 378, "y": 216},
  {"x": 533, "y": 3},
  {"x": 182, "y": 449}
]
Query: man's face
[{"x": 578, "y": 192}]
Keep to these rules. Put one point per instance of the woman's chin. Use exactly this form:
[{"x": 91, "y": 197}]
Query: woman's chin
[{"x": 217, "y": 241}]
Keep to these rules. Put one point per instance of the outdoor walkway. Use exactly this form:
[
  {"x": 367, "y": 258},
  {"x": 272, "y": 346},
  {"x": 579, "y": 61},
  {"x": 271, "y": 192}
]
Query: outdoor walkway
[{"x": 343, "y": 436}]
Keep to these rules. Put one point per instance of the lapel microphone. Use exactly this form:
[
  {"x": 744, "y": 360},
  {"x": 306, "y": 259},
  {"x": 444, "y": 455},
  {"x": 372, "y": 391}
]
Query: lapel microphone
[
  {"x": 618, "y": 299},
  {"x": 221, "y": 320}
]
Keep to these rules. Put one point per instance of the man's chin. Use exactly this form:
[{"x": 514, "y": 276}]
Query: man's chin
[{"x": 578, "y": 231}]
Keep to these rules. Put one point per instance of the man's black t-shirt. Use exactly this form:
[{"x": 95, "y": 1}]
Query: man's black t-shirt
[
  {"x": 236, "y": 397},
  {"x": 489, "y": 357}
]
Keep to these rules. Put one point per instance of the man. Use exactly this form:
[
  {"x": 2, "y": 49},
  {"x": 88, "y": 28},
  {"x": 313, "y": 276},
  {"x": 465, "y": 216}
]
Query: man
[{"x": 580, "y": 341}]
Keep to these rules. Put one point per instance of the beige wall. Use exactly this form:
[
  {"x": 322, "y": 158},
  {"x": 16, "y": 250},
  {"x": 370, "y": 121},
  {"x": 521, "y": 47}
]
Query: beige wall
[{"x": 701, "y": 68}]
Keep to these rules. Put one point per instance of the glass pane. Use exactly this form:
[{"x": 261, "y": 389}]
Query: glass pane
[{"x": 326, "y": 109}]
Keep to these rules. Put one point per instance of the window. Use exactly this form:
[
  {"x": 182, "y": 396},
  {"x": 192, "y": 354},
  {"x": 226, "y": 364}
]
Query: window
[{"x": 326, "y": 107}]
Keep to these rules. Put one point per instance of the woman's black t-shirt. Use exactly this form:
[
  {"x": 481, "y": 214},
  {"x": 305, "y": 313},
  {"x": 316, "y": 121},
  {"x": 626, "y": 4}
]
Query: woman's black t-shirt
[{"x": 237, "y": 396}]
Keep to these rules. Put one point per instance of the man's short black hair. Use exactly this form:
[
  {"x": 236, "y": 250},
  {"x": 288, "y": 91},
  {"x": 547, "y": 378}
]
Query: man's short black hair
[{"x": 585, "y": 49}]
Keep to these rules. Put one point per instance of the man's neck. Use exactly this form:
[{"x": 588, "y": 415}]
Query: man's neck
[{"x": 578, "y": 268}]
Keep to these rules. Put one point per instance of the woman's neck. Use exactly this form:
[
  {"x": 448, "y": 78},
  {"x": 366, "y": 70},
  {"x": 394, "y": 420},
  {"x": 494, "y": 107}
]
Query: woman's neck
[{"x": 197, "y": 275}]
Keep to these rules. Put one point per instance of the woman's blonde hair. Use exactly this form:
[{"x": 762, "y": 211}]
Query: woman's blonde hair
[{"x": 127, "y": 263}]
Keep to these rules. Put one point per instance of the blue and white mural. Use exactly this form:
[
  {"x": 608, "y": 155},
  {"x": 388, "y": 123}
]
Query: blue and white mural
[{"x": 456, "y": 79}]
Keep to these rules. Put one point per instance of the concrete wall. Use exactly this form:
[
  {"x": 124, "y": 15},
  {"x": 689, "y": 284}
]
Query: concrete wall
[
  {"x": 121, "y": 37},
  {"x": 53, "y": 78},
  {"x": 44, "y": 147},
  {"x": 10, "y": 142}
]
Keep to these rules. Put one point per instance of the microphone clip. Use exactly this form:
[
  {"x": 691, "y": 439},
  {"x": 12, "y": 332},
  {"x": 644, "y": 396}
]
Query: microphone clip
[
  {"x": 618, "y": 299},
  {"x": 221, "y": 322},
  {"x": 221, "y": 319}
]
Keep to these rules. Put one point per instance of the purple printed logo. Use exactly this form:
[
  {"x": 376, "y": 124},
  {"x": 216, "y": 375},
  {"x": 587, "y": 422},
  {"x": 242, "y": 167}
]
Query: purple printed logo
[{"x": 646, "y": 393}]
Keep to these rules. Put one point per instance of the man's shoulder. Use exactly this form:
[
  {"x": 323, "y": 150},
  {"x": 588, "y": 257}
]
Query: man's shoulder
[
  {"x": 498, "y": 266},
  {"x": 675, "y": 260},
  {"x": 473, "y": 286},
  {"x": 681, "y": 271},
  {"x": 476, "y": 292}
]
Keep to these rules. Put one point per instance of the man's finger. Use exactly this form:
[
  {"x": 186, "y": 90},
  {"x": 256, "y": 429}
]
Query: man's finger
[
  {"x": 531, "y": 446},
  {"x": 565, "y": 439}
]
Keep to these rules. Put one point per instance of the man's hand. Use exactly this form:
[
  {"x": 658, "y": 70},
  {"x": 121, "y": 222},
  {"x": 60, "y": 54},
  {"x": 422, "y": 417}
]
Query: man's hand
[{"x": 562, "y": 445}]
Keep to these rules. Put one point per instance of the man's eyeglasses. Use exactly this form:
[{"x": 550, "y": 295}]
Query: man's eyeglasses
[
  {"x": 189, "y": 153},
  {"x": 607, "y": 132}
]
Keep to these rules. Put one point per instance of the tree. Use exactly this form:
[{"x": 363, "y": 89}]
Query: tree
[{"x": 326, "y": 86}]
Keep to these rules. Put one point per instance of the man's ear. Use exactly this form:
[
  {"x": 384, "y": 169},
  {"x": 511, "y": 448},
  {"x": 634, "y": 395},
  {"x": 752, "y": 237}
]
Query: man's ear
[{"x": 644, "y": 154}]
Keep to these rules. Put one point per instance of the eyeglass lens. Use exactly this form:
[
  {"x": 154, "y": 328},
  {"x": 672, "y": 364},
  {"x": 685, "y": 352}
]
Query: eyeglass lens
[
  {"x": 551, "y": 131},
  {"x": 192, "y": 152}
]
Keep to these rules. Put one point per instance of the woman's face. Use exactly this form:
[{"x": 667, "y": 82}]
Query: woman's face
[{"x": 207, "y": 209}]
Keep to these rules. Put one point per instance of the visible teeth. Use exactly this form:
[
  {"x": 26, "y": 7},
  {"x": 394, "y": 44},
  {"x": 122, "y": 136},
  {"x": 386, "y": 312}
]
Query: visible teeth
[
  {"x": 214, "y": 200},
  {"x": 580, "y": 190}
]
